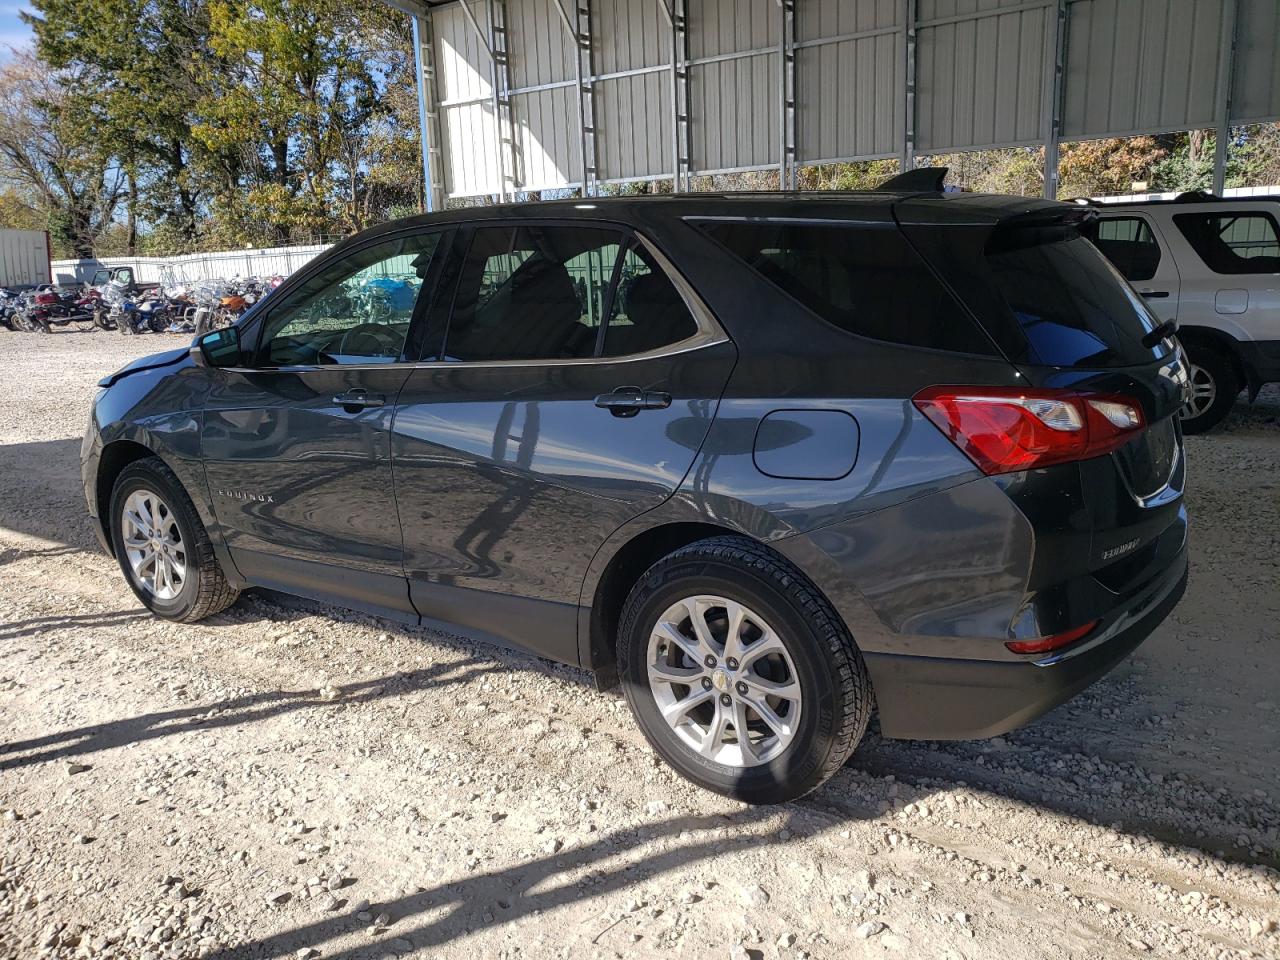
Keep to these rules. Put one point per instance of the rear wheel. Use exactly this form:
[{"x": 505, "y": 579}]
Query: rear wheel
[
  {"x": 739, "y": 673},
  {"x": 162, "y": 546},
  {"x": 1214, "y": 386}
]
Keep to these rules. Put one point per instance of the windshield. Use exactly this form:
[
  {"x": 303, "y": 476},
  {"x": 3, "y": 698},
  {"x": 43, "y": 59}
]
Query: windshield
[{"x": 1069, "y": 302}]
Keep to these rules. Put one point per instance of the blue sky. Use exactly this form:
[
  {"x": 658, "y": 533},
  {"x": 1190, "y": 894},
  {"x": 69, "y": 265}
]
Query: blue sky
[{"x": 13, "y": 32}]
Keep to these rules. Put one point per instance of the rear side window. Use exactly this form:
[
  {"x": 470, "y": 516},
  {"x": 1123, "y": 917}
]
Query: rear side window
[
  {"x": 1070, "y": 304},
  {"x": 648, "y": 311},
  {"x": 863, "y": 278},
  {"x": 1233, "y": 242},
  {"x": 1129, "y": 244}
]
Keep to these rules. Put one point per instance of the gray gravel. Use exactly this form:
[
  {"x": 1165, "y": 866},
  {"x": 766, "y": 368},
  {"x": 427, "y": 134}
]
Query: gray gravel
[{"x": 293, "y": 780}]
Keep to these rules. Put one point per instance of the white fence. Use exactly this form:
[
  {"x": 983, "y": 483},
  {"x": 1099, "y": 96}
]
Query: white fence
[{"x": 267, "y": 262}]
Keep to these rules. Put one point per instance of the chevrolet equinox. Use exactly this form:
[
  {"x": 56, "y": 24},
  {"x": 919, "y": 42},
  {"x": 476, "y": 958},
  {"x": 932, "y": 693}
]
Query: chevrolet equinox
[{"x": 767, "y": 461}]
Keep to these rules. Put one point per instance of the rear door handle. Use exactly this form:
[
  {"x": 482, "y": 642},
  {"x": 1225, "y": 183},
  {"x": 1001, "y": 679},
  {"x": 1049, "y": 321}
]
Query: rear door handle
[
  {"x": 1155, "y": 294},
  {"x": 628, "y": 401},
  {"x": 354, "y": 400}
]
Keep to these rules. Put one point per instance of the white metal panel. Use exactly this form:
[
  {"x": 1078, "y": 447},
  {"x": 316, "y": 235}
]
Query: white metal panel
[
  {"x": 219, "y": 265},
  {"x": 548, "y": 149},
  {"x": 629, "y": 35},
  {"x": 849, "y": 90},
  {"x": 980, "y": 72},
  {"x": 470, "y": 149},
  {"x": 633, "y": 126},
  {"x": 24, "y": 258},
  {"x": 1141, "y": 66},
  {"x": 1255, "y": 94},
  {"x": 734, "y": 92},
  {"x": 541, "y": 46}
]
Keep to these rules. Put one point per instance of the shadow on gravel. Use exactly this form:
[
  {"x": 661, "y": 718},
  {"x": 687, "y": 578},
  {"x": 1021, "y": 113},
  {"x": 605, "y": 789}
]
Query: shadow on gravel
[
  {"x": 504, "y": 896},
  {"x": 15, "y": 629},
  {"x": 228, "y": 713},
  {"x": 41, "y": 495}
]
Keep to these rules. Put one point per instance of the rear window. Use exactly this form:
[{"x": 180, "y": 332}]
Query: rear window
[
  {"x": 863, "y": 278},
  {"x": 1068, "y": 301},
  {"x": 1233, "y": 242},
  {"x": 1129, "y": 244}
]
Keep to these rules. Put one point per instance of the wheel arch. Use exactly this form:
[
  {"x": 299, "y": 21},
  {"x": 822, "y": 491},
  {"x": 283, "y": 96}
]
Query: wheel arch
[
  {"x": 1224, "y": 343},
  {"x": 115, "y": 456},
  {"x": 624, "y": 568}
]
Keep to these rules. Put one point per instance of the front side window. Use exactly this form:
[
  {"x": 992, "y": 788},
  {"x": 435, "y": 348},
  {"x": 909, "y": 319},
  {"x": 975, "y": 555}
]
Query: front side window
[
  {"x": 863, "y": 278},
  {"x": 1129, "y": 244},
  {"x": 1233, "y": 242},
  {"x": 356, "y": 310}
]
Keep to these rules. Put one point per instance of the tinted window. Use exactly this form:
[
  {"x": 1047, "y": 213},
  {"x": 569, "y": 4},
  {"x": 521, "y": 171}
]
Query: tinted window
[
  {"x": 1129, "y": 244},
  {"x": 866, "y": 280},
  {"x": 1069, "y": 303},
  {"x": 1233, "y": 242},
  {"x": 356, "y": 310},
  {"x": 532, "y": 293},
  {"x": 648, "y": 312}
]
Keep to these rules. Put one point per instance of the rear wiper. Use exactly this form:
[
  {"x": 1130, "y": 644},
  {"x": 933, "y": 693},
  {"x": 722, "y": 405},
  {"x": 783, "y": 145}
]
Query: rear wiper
[{"x": 1166, "y": 329}]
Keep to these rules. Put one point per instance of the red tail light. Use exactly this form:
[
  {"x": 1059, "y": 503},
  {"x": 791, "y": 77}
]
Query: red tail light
[
  {"x": 1045, "y": 644},
  {"x": 1005, "y": 429}
]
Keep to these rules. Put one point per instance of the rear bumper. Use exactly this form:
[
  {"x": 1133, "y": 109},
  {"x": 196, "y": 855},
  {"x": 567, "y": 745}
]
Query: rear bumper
[{"x": 933, "y": 698}]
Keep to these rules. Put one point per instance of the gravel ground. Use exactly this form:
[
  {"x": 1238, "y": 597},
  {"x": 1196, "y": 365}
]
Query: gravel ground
[{"x": 291, "y": 779}]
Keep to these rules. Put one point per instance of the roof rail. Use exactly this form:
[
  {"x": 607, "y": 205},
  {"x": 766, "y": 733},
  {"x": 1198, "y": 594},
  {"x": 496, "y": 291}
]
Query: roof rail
[{"x": 917, "y": 180}]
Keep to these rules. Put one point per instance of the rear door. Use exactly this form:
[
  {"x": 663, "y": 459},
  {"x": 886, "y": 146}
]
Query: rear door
[
  {"x": 1132, "y": 241},
  {"x": 567, "y": 390}
]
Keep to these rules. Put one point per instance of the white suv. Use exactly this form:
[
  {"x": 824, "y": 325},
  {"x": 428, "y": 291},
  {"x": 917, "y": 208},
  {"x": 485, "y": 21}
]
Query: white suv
[{"x": 1213, "y": 265}]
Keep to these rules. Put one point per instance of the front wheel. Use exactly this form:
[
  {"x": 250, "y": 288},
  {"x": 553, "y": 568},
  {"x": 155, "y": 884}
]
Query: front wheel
[
  {"x": 739, "y": 672},
  {"x": 1214, "y": 386},
  {"x": 162, "y": 546}
]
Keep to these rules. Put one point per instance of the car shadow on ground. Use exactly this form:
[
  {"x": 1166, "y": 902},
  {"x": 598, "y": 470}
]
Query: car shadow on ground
[
  {"x": 543, "y": 883},
  {"x": 251, "y": 708}
]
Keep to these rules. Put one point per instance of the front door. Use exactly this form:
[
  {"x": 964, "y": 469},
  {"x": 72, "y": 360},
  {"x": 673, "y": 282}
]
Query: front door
[
  {"x": 571, "y": 393},
  {"x": 296, "y": 443}
]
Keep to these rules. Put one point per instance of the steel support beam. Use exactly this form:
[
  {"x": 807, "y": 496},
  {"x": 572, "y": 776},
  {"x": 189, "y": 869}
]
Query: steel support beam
[
  {"x": 500, "y": 48},
  {"x": 1051, "y": 98},
  {"x": 428, "y": 115},
  {"x": 910, "y": 14},
  {"x": 787, "y": 99},
  {"x": 681, "y": 148},
  {"x": 1226, "y": 77},
  {"x": 586, "y": 74}
]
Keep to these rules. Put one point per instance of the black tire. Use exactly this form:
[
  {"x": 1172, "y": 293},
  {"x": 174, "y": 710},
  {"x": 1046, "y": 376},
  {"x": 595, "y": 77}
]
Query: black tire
[
  {"x": 1211, "y": 365},
  {"x": 205, "y": 590},
  {"x": 836, "y": 694}
]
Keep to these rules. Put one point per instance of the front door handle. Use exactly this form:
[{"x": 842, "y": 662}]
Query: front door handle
[
  {"x": 1155, "y": 294},
  {"x": 628, "y": 401},
  {"x": 355, "y": 400}
]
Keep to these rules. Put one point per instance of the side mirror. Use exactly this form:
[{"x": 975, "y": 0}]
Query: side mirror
[{"x": 219, "y": 348}]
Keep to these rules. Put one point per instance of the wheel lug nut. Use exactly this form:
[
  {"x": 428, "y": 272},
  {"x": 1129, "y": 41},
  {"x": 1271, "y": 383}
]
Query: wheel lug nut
[
  {"x": 731, "y": 663},
  {"x": 710, "y": 661},
  {"x": 742, "y": 688},
  {"x": 706, "y": 683},
  {"x": 726, "y": 699}
]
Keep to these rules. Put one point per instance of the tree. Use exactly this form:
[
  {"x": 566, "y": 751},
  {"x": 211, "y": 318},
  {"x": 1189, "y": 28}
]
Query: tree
[{"x": 42, "y": 153}]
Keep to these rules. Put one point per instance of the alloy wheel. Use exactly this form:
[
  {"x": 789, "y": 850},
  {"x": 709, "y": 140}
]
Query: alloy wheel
[
  {"x": 724, "y": 681},
  {"x": 1204, "y": 390},
  {"x": 153, "y": 544}
]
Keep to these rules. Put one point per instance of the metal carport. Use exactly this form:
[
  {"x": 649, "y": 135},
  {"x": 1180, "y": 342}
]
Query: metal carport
[{"x": 526, "y": 95}]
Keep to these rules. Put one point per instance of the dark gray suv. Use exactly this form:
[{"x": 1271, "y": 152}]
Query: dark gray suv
[{"x": 766, "y": 460}]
